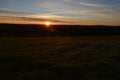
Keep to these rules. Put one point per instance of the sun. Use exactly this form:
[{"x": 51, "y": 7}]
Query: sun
[{"x": 47, "y": 23}]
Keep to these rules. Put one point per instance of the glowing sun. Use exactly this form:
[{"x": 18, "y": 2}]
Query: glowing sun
[{"x": 47, "y": 23}]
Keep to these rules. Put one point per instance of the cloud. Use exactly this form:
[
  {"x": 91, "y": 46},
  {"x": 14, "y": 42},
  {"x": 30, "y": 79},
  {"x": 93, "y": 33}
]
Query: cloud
[
  {"x": 46, "y": 16},
  {"x": 92, "y": 5},
  {"x": 87, "y": 4},
  {"x": 7, "y": 16},
  {"x": 68, "y": 0},
  {"x": 13, "y": 13}
]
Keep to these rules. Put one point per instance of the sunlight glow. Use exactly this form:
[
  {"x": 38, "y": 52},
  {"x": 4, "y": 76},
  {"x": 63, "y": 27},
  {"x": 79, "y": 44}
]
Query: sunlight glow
[{"x": 47, "y": 23}]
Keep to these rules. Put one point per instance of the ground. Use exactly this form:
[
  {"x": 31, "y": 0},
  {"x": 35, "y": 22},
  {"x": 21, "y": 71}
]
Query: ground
[{"x": 60, "y": 58}]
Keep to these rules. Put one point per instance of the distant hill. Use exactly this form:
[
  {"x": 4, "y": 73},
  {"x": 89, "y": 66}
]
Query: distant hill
[{"x": 57, "y": 30}]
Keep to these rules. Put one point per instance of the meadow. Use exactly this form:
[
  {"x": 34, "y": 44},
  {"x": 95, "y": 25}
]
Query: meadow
[{"x": 60, "y": 58}]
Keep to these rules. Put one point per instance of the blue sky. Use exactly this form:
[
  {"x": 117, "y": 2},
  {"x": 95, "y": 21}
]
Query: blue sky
[{"x": 86, "y": 12}]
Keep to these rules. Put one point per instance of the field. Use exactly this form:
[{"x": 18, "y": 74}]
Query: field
[{"x": 60, "y": 58}]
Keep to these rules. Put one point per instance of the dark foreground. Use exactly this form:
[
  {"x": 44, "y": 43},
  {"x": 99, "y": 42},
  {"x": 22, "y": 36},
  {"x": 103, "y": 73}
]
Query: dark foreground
[{"x": 60, "y": 58}]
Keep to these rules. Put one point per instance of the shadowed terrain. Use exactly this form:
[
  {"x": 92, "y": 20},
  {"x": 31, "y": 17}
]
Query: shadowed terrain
[
  {"x": 60, "y": 58},
  {"x": 24, "y": 30}
]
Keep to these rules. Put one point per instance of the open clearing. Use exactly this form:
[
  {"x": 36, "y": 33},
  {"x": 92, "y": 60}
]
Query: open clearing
[{"x": 60, "y": 58}]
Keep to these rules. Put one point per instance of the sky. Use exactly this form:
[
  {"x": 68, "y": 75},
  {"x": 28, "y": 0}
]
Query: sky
[{"x": 82, "y": 12}]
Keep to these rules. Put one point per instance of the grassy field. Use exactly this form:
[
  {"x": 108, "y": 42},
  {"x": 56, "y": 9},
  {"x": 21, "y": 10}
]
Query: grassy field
[{"x": 60, "y": 58}]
